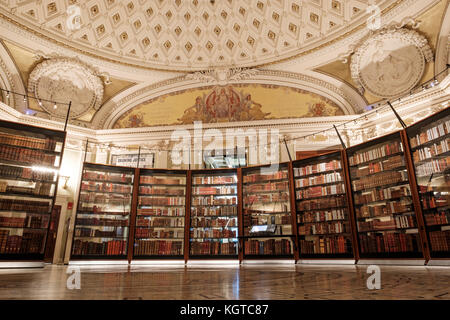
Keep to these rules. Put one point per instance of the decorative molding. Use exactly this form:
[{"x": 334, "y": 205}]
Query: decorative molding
[
  {"x": 64, "y": 80},
  {"x": 391, "y": 62}
]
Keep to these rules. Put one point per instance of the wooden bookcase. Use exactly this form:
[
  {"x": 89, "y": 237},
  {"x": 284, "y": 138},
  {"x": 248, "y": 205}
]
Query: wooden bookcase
[
  {"x": 213, "y": 223},
  {"x": 160, "y": 218},
  {"x": 429, "y": 142},
  {"x": 30, "y": 159},
  {"x": 267, "y": 201},
  {"x": 322, "y": 209},
  {"x": 105, "y": 201},
  {"x": 385, "y": 213}
]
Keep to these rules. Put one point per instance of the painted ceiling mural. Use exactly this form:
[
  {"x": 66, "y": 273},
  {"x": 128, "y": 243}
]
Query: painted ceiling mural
[{"x": 243, "y": 102}]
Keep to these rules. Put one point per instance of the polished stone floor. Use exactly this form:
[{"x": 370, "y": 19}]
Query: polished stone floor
[{"x": 278, "y": 282}]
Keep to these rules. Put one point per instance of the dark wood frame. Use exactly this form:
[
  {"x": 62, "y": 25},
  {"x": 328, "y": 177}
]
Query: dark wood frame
[{"x": 61, "y": 135}]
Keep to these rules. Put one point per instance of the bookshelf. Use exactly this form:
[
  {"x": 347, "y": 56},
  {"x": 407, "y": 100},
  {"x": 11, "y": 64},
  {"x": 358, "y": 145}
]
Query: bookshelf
[
  {"x": 161, "y": 213},
  {"x": 213, "y": 226},
  {"x": 323, "y": 219},
  {"x": 266, "y": 202},
  {"x": 430, "y": 147},
  {"x": 385, "y": 214},
  {"x": 30, "y": 158},
  {"x": 103, "y": 213}
]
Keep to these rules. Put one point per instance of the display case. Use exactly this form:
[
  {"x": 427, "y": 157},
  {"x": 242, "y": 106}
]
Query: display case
[
  {"x": 267, "y": 218},
  {"x": 103, "y": 213},
  {"x": 384, "y": 211},
  {"x": 213, "y": 229},
  {"x": 161, "y": 211},
  {"x": 430, "y": 147},
  {"x": 30, "y": 158},
  {"x": 323, "y": 219}
]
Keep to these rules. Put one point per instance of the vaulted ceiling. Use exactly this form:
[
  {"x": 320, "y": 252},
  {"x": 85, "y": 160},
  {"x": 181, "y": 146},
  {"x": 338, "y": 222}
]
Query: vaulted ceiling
[{"x": 192, "y": 34}]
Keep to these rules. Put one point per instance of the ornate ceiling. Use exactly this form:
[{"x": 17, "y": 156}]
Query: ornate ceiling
[{"x": 191, "y": 34}]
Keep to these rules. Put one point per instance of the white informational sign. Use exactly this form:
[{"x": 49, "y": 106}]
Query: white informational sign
[{"x": 131, "y": 160}]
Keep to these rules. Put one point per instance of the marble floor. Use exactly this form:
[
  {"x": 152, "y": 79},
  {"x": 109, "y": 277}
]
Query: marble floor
[{"x": 278, "y": 282}]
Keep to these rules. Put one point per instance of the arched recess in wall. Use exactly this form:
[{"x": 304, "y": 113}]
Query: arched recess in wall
[
  {"x": 333, "y": 90},
  {"x": 10, "y": 79}
]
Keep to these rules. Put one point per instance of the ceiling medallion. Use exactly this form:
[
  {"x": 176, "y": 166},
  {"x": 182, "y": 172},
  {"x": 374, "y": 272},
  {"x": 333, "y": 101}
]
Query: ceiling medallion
[
  {"x": 391, "y": 62},
  {"x": 63, "y": 80}
]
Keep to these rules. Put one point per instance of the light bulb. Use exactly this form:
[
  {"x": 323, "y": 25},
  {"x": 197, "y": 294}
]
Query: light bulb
[
  {"x": 40, "y": 103},
  {"x": 55, "y": 106},
  {"x": 7, "y": 94},
  {"x": 24, "y": 98}
]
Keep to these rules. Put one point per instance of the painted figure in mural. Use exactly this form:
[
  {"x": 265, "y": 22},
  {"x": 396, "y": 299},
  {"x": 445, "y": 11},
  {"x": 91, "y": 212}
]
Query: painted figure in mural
[
  {"x": 194, "y": 113},
  {"x": 252, "y": 110},
  {"x": 135, "y": 120}
]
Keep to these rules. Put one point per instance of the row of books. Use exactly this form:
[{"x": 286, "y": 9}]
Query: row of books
[
  {"x": 279, "y": 219},
  {"x": 218, "y": 190},
  {"x": 434, "y": 200},
  {"x": 114, "y": 199},
  {"x": 163, "y": 212},
  {"x": 266, "y": 198},
  {"x": 39, "y": 188},
  {"x": 268, "y": 247},
  {"x": 213, "y": 248},
  {"x": 391, "y": 207},
  {"x": 199, "y": 222},
  {"x": 381, "y": 179},
  {"x": 27, "y": 142},
  {"x": 160, "y": 222},
  {"x": 328, "y": 245},
  {"x": 111, "y": 232},
  {"x": 214, "y": 180},
  {"x": 432, "y": 151},
  {"x": 375, "y": 167},
  {"x": 152, "y": 233},
  {"x": 436, "y": 132},
  {"x": 166, "y": 201},
  {"x": 29, "y": 242},
  {"x": 211, "y": 200},
  {"x": 382, "y": 194},
  {"x": 213, "y": 233},
  {"x": 315, "y": 180},
  {"x": 270, "y": 186},
  {"x": 258, "y": 177},
  {"x": 440, "y": 240},
  {"x": 433, "y": 166},
  {"x": 27, "y": 221},
  {"x": 25, "y": 173},
  {"x": 438, "y": 218},
  {"x": 280, "y": 230},
  {"x": 158, "y": 247},
  {"x": 108, "y": 248},
  {"x": 102, "y": 222},
  {"x": 162, "y": 180},
  {"x": 397, "y": 222},
  {"x": 376, "y": 153},
  {"x": 323, "y": 203},
  {"x": 324, "y": 228},
  {"x": 317, "y": 168},
  {"x": 100, "y": 210},
  {"x": 107, "y": 176},
  {"x": 25, "y": 205},
  {"x": 35, "y": 157},
  {"x": 389, "y": 243},
  {"x": 161, "y": 191},
  {"x": 214, "y": 211},
  {"x": 315, "y": 192},
  {"x": 322, "y": 216},
  {"x": 105, "y": 187}
]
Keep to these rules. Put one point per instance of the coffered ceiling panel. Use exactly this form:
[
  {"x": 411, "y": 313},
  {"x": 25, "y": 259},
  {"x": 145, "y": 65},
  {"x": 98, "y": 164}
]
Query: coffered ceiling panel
[{"x": 190, "y": 34}]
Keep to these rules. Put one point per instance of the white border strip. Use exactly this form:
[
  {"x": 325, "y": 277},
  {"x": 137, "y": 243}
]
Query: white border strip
[
  {"x": 98, "y": 262},
  {"x": 213, "y": 263},
  {"x": 157, "y": 262},
  {"x": 399, "y": 262},
  {"x": 330, "y": 262},
  {"x": 253, "y": 262},
  {"x": 13, "y": 264},
  {"x": 439, "y": 263}
]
